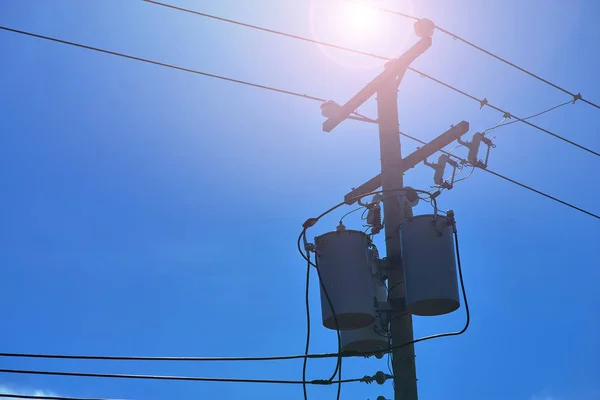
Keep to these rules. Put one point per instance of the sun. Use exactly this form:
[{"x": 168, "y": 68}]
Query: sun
[
  {"x": 348, "y": 23},
  {"x": 358, "y": 20}
]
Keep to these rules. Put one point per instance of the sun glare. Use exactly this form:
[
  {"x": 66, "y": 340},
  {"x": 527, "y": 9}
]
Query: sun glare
[
  {"x": 359, "y": 21},
  {"x": 358, "y": 26}
]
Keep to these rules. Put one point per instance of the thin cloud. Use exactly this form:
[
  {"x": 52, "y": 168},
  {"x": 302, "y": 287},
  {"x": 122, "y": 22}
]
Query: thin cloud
[{"x": 24, "y": 392}]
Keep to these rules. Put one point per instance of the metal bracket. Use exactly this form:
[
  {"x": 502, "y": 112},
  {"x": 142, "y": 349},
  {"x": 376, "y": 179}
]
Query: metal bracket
[{"x": 412, "y": 159}]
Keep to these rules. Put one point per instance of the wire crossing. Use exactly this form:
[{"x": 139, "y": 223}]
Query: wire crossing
[
  {"x": 489, "y": 53},
  {"x": 482, "y": 102}
]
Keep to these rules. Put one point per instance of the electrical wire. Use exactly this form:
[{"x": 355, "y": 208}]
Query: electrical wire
[
  {"x": 538, "y": 114},
  {"x": 466, "y": 177},
  {"x": 338, "y": 365},
  {"x": 489, "y": 53},
  {"x": 44, "y": 397},
  {"x": 176, "y": 378},
  {"x": 482, "y": 102},
  {"x": 350, "y": 212},
  {"x": 148, "y": 61},
  {"x": 306, "y": 349}
]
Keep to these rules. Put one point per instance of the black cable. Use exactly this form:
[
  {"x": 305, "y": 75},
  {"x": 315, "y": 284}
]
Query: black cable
[
  {"x": 350, "y": 212},
  {"x": 145, "y": 60},
  {"x": 338, "y": 367},
  {"x": 542, "y": 193},
  {"x": 306, "y": 298},
  {"x": 44, "y": 397},
  {"x": 175, "y": 378},
  {"x": 536, "y": 115},
  {"x": 483, "y": 102},
  {"x": 489, "y": 53},
  {"x": 260, "y": 28},
  {"x": 330, "y": 303}
]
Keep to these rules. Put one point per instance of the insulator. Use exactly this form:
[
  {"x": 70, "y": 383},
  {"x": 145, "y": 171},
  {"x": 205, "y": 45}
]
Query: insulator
[
  {"x": 374, "y": 216},
  {"x": 407, "y": 209}
]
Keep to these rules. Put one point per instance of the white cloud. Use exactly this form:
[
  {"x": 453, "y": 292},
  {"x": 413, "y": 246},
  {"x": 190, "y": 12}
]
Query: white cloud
[{"x": 25, "y": 392}]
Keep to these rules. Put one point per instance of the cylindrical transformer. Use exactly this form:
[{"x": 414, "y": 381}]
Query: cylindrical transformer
[
  {"x": 429, "y": 265},
  {"x": 372, "y": 339},
  {"x": 343, "y": 259}
]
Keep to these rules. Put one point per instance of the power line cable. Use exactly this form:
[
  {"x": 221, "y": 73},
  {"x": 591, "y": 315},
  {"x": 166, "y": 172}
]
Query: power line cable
[
  {"x": 489, "y": 53},
  {"x": 537, "y": 115},
  {"x": 148, "y": 61},
  {"x": 482, "y": 102},
  {"x": 177, "y": 378},
  {"x": 44, "y": 397}
]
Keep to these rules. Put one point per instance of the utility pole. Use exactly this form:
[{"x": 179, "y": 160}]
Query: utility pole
[
  {"x": 385, "y": 85},
  {"x": 393, "y": 166},
  {"x": 403, "y": 361}
]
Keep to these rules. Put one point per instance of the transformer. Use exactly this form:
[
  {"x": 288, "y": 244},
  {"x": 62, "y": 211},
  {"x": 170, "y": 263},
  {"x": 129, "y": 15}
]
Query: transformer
[
  {"x": 372, "y": 339},
  {"x": 429, "y": 262},
  {"x": 345, "y": 266}
]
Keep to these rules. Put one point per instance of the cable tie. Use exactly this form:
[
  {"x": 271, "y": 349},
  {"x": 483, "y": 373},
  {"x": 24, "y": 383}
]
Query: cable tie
[
  {"x": 577, "y": 97},
  {"x": 483, "y": 103}
]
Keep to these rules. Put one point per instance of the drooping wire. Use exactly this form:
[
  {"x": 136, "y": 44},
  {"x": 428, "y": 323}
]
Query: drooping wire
[
  {"x": 489, "y": 53},
  {"x": 466, "y": 177},
  {"x": 482, "y": 102},
  {"x": 350, "y": 212},
  {"x": 339, "y": 355},
  {"x": 538, "y": 114},
  {"x": 307, "y": 347}
]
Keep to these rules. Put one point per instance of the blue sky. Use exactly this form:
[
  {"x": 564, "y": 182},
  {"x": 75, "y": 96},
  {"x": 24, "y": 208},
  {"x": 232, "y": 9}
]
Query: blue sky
[{"x": 147, "y": 211}]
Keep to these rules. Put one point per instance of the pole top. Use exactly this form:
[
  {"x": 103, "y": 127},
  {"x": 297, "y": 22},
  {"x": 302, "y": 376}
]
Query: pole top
[{"x": 424, "y": 28}]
